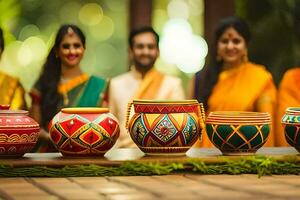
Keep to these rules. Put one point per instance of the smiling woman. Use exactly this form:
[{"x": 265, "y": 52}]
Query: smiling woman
[
  {"x": 231, "y": 82},
  {"x": 62, "y": 83}
]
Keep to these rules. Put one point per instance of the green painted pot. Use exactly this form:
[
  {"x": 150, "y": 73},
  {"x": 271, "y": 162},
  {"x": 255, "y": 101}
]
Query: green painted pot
[
  {"x": 238, "y": 133},
  {"x": 291, "y": 124}
]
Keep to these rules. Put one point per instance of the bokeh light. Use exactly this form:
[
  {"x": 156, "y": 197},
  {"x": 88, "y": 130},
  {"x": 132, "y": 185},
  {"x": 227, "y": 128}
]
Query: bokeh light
[
  {"x": 107, "y": 55},
  {"x": 181, "y": 47},
  {"x": 37, "y": 47},
  {"x": 90, "y": 14},
  {"x": 116, "y": 5},
  {"x": 47, "y": 20},
  {"x": 159, "y": 19},
  {"x": 196, "y": 7},
  {"x": 24, "y": 55},
  {"x": 178, "y": 9},
  {"x": 69, "y": 12},
  {"x": 103, "y": 30},
  {"x": 9, "y": 62},
  {"x": 28, "y": 31}
]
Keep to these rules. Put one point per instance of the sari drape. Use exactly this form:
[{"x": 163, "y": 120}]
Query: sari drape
[
  {"x": 288, "y": 96},
  {"x": 12, "y": 92},
  {"x": 81, "y": 91},
  {"x": 248, "y": 87}
]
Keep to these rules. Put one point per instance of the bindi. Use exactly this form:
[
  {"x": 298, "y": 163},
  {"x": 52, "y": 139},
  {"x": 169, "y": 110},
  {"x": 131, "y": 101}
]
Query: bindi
[{"x": 70, "y": 32}]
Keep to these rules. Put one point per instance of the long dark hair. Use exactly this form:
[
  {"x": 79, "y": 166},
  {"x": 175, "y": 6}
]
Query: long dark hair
[
  {"x": 51, "y": 75},
  {"x": 208, "y": 76},
  {"x": 1, "y": 41}
]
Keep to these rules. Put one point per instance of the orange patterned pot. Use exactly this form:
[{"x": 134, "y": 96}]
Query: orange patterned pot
[
  {"x": 84, "y": 131},
  {"x": 18, "y": 132},
  {"x": 165, "y": 127}
]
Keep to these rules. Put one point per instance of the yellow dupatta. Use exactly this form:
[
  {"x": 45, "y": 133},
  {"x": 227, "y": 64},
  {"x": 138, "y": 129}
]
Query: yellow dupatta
[
  {"x": 248, "y": 87},
  {"x": 150, "y": 85},
  {"x": 288, "y": 96}
]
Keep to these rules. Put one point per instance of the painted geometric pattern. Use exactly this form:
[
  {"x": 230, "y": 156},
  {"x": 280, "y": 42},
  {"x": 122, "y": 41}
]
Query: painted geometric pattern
[
  {"x": 164, "y": 109},
  {"x": 17, "y": 138},
  {"x": 16, "y": 150},
  {"x": 140, "y": 131},
  {"x": 190, "y": 130},
  {"x": 238, "y": 138},
  {"x": 164, "y": 130},
  {"x": 291, "y": 118},
  {"x": 292, "y": 135},
  {"x": 76, "y": 134}
]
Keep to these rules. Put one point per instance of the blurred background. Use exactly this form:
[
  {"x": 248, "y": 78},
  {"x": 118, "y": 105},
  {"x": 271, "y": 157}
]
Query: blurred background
[{"x": 185, "y": 28}]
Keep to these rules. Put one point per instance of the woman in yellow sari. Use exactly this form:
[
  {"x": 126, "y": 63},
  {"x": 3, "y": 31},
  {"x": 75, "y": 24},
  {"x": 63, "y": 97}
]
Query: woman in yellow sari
[
  {"x": 231, "y": 82},
  {"x": 12, "y": 92},
  {"x": 62, "y": 83}
]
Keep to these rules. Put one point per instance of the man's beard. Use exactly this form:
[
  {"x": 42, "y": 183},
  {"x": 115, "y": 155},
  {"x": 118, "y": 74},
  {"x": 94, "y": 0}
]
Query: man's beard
[{"x": 143, "y": 67}]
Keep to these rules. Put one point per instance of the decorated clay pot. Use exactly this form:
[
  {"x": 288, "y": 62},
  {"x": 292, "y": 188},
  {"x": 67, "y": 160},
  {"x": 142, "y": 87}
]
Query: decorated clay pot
[
  {"x": 291, "y": 125},
  {"x": 238, "y": 133},
  {"x": 18, "y": 132},
  {"x": 165, "y": 127},
  {"x": 84, "y": 131}
]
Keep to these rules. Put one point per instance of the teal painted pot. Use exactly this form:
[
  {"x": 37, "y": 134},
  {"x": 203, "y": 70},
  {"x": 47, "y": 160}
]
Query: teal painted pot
[
  {"x": 291, "y": 124},
  {"x": 238, "y": 133}
]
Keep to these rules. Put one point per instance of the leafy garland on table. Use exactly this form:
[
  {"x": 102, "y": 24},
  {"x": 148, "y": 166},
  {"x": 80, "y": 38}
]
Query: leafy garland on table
[{"x": 249, "y": 165}]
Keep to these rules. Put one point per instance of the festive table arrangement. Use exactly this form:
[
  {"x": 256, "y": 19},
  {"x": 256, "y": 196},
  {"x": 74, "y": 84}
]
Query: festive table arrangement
[{"x": 164, "y": 132}]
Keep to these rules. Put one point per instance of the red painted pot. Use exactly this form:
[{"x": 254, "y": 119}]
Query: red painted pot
[
  {"x": 18, "y": 132},
  {"x": 84, "y": 131},
  {"x": 165, "y": 127}
]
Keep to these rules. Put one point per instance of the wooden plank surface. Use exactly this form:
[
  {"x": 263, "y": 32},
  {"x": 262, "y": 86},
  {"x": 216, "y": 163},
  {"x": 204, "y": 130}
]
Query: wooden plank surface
[
  {"x": 116, "y": 157},
  {"x": 204, "y": 187}
]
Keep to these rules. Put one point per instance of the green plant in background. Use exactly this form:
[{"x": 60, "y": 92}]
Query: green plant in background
[
  {"x": 10, "y": 11},
  {"x": 275, "y": 26}
]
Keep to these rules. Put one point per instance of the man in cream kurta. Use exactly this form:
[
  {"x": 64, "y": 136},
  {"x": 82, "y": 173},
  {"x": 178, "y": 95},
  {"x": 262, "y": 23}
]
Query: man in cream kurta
[{"x": 143, "y": 81}]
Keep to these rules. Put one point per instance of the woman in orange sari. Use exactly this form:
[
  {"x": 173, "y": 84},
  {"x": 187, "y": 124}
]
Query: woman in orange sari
[
  {"x": 288, "y": 96},
  {"x": 231, "y": 82}
]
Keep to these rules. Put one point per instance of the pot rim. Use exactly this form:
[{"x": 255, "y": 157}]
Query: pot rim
[
  {"x": 238, "y": 123},
  {"x": 4, "y": 110},
  {"x": 84, "y": 110},
  {"x": 13, "y": 112},
  {"x": 165, "y": 102},
  {"x": 242, "y": 114},
  {"x": 293, "y": 109}
]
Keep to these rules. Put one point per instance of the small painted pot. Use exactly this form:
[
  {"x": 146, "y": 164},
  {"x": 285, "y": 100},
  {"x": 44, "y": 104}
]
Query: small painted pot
[
  {"x": 18, "y": 132},
  {"x": 238, "y": 133},
  {"x": 165, "y": 127},
  {"x": 291, "y": 124},
  {"x": 84, "y": 131}
]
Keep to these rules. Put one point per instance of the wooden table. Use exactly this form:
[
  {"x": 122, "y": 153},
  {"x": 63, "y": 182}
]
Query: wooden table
[
  {"x": 176, "y": 186},
  {"x": 116, "y": 157}
]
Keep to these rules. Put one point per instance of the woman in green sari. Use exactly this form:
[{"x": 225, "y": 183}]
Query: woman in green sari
[{"x": 62, "y": 83}]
